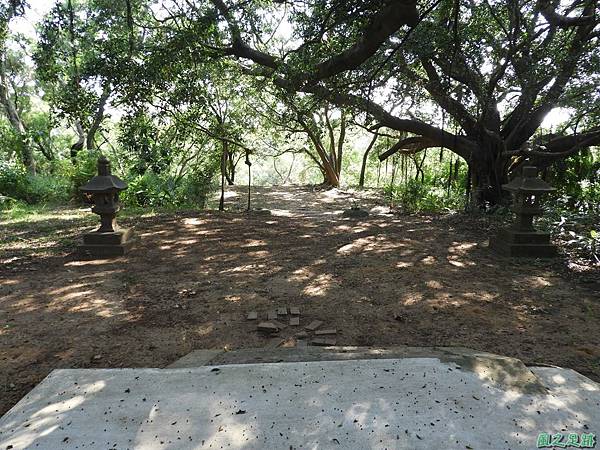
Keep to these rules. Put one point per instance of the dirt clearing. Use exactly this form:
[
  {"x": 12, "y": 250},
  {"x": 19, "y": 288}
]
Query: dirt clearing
[{"x": 189, "y": 282}]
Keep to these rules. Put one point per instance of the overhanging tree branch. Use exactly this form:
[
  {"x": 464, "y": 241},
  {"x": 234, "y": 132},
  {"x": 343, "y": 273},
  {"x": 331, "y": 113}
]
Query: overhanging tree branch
[{"x": 409, "y": 145}]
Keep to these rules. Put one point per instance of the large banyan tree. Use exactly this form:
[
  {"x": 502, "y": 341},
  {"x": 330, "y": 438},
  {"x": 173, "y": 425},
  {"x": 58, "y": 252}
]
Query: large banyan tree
[{"x": 493, "y": 68}]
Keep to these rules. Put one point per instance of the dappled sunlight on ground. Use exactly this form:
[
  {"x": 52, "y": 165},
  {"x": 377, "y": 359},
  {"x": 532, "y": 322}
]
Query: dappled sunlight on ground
[{"x": 192, "y": 277}]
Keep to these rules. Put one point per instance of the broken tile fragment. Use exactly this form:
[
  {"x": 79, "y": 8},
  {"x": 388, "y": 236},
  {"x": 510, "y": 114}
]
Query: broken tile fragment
[
  {"x": 328, "y": 331},
  {"x": 313, "y": 325},
  {"x": 302, "y": 335},
  {"x": 267, "y": 327},
  {"x": 289, "y": 343},
  {"x": 272, "y": 315},
  {"x": 295, "y": 311},
  {"x": 282, "y": 311},
  {"x": 324, "y": 342},
  {"x": 252, "y": 315},
  {"x": 278, "y": 324},
  {"x": 294, "y": 321},
  {"x": 275, "y": 342}
]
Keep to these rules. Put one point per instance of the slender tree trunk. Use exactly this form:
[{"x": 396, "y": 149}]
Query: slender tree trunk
[
  {"x": 77, "y": 146},
  {"x": 230, "y": 172},
  {"x": 363, "y": 167},
  {"x": 25, "y": 149},
  {"x": 223, "y": 171},
  {"x": 90, "y": 140}
]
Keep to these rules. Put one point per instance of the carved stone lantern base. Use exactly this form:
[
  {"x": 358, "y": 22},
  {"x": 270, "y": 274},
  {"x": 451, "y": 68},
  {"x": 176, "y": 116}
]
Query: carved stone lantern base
[
  {"x": 527, "y": 244},
  {"x": 104, "y": 244}
]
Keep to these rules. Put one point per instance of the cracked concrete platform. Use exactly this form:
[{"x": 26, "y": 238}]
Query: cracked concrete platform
[{"x": 407, "y": 403}]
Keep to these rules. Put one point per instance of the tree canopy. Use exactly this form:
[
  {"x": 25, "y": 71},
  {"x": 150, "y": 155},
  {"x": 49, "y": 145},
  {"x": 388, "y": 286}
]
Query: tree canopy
[{"x": 475, "y": 77}]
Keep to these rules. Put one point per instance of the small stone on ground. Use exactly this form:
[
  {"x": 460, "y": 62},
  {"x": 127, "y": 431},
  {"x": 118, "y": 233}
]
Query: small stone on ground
[
  {"x": 314, "y": 325},
  {"x": 268, "y": 327},
  {"x": 328, "y": 331},
  {"x": 252, "y": 315},
  {"x": 282, "y": 311},
  {"x": 326, "y": 342},
  {"x": 294, "y": 311},
  {"x": 278, "y": 324},
  {"x": 294, "y": 321},
  {"x": 275, "y": 342}
]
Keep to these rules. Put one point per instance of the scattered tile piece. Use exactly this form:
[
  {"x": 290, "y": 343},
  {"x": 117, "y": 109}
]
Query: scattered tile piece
[
  {"x": 324, "y": 342},
  {"x": 294, "y": 321},
  {"x": 275, "y": 342},
  {"x": 328, "y": 331},
  {"x": 295, "y": 311},
  {"x": 282, "y": 311},
  {"x": 272, "y": 315},
  {"x": 267, "y": 327},
  {"x": 289, "y": 343},
  {"x": 252, "y": 315},
  {"x": 279, "y": 325},
  {"x": 313, "y": 325},
  {"x": 302, "y": 335}
]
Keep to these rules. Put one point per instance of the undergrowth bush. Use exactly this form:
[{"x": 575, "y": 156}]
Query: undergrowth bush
[
  {"x": 414, "y": 196},
  {"x": 575, "y": 224},
  {"x": 17, "y": 184}
]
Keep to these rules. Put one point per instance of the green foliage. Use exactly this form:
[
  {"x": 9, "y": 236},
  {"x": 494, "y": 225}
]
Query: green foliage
[
  {"x": 577, "y": 180},
  {"x": 17, "y": 184},
  {"x": 578, "y": 229},
  {"x": 143, "y": 140},
  {"x": 415, "y": 196},
  {"x": 158, "y": 190},
  {"x": 81, "y": 172}
]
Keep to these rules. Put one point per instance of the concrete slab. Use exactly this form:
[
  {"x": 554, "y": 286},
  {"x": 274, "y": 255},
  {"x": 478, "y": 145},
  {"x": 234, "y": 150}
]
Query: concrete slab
[
  {"x": 410, "y": 403},
  {"x": 503, "y": 371},
  {"x": 197, "y": 358}
]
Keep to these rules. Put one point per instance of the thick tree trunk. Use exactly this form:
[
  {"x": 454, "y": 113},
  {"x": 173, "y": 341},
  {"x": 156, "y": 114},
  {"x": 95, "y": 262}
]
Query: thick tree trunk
[
  {"x": 488, "y": 172},
  {"x": 331, "y": 177}
]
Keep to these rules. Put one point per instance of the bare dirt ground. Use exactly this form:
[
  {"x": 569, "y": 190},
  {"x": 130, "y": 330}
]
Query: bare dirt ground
[{"x": 194, "y": 275}]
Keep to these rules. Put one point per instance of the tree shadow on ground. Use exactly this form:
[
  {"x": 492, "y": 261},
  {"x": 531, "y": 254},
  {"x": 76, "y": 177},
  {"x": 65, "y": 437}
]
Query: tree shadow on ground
[{"x": 191, "y": 279}]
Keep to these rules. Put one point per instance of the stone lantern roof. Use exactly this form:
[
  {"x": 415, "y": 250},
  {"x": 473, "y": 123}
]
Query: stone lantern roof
[
  {"x": 528, "y": 183},
  {"x": 104, "y": 181}
]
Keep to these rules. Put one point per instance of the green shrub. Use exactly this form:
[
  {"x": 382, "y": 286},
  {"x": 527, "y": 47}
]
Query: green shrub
[
  {"x": 148, "y": 190},
  {"x": 577, "y": 228},
  {"x": 414, "y": 196},
  {"x": 13, "y": 181},
  {"x": 85, "y": 167},
  {"x": 32, "y": 189}
]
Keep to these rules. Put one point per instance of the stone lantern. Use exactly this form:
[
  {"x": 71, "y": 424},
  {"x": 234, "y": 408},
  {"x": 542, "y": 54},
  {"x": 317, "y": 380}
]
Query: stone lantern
[
  {"x": 109, "y": 239},
  {"x": 522, "y": 239}
]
